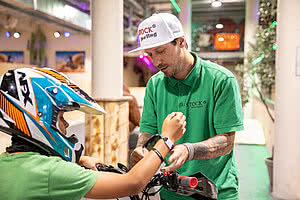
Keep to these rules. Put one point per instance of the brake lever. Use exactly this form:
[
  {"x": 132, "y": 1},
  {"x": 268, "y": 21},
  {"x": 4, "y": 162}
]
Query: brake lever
[{"x": 108, "y": 168}]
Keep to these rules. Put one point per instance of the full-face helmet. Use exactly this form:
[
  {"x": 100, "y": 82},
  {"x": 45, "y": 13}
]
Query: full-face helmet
[{"x": 30, "y": 100}]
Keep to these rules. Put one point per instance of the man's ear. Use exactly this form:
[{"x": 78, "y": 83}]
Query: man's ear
[{"x": 181, "y": 42}]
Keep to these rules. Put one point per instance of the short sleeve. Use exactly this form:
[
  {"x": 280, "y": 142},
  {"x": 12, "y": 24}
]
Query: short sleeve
[
  {"x": 70, "y": 181},
  {"x": 149, "y": 117},
  {"x": 227, "y": 114}
]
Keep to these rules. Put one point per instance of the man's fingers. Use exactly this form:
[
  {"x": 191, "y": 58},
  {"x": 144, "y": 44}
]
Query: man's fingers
[
  {"x": 136, "y": 159},
  {"x": 172, "y": 158},
  {"x": 179, "y": 162},
  {"x": 175, "y": 159},
  {"x": 168, "y": 169},
  {"x": 175, "y": 165},
  {"x": 138, "y": 154}
]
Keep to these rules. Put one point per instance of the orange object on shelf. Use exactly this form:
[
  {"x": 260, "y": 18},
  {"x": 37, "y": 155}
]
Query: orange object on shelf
[{"x": 227, "y": 41}]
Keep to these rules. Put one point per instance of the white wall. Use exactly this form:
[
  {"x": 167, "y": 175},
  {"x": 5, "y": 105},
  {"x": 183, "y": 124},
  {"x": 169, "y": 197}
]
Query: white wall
[
  {"x": 287, "y": 137},
  {"x": 12, "y": 44},
  {"x": 76, "y": 42}
]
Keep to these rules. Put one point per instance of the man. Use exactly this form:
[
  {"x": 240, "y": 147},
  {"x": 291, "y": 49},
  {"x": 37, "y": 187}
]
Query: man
[
  {"x": 35, "y": 166},
  {"x": 206, "y": 93}
]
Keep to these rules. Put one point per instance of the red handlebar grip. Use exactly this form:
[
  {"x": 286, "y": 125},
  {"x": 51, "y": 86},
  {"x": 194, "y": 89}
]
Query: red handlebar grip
[{"x": 191, "y": 182}]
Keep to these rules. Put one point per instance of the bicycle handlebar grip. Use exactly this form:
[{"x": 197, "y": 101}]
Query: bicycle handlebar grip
[{"x": 186, "y": 181}]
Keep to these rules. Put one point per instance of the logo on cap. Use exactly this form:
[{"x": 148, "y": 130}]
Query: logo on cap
[
  {"x": 148, "y": 31},
  {"x": 145, "y": 30}
]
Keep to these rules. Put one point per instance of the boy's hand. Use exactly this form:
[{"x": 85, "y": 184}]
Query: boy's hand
[
  {"x": 89, "y": 162},
  {"x": 174, "y": 126}
]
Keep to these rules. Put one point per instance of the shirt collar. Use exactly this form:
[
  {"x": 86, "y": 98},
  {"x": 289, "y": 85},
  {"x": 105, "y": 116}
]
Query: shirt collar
[{"x": 189, "y": 79}]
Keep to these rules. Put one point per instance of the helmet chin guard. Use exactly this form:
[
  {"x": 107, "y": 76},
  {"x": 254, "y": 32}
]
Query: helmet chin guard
[{"x": 30, "y": 100}]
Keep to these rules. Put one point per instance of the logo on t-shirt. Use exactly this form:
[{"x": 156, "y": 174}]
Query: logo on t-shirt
[{"x": 194, "y": 104}]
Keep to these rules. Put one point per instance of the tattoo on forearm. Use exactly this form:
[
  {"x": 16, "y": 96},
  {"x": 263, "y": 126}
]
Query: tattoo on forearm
[
  {"x": 143, "y": 138},
  {"x": 214, "y": 147}
]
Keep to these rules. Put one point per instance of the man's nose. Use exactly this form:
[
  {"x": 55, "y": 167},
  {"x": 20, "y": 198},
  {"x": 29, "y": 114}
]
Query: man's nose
[{"x": 156, "y": 61}]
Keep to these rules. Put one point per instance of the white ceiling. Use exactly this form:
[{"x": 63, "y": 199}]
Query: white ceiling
[{"x": 136, "y": 9}]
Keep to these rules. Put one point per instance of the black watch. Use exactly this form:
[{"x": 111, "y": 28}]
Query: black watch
[{"x": 152, "y": 141}]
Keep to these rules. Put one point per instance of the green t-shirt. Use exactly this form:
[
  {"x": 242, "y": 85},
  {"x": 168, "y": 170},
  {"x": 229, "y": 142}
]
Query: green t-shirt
[
  {"x": 31, "y": 176},
  {"x": 210, "y": 99}
]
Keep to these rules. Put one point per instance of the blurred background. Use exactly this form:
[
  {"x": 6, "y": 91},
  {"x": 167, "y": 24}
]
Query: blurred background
[{"x": 89, "y": 40}]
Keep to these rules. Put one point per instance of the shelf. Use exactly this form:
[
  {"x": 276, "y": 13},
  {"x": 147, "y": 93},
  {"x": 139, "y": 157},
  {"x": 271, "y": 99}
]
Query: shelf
[{"x": 221, "y": 55}]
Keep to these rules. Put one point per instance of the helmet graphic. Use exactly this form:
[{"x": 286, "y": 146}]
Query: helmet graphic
[{"x": 30, "y": 99}]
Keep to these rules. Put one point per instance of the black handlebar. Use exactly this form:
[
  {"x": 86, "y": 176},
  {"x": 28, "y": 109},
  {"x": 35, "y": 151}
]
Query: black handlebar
[{"x": 197, "y": 186}]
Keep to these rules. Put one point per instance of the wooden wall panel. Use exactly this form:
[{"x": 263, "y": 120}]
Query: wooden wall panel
[{"x": 107, "y": 135}]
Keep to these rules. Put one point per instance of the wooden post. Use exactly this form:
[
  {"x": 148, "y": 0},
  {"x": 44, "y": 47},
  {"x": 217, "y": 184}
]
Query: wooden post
[{"x": 107, "y": 135}]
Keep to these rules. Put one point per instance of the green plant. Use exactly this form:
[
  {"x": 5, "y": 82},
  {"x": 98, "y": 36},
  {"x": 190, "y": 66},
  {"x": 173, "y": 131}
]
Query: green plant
[
  {"x": 259, "y": 71},
  {"x": 243, "y": 82}
]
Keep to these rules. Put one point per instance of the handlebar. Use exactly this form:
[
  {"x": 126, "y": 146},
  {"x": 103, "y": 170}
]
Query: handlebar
[
  {"x": 186, "y": 181},
  {"x": 197, "y": 186}
]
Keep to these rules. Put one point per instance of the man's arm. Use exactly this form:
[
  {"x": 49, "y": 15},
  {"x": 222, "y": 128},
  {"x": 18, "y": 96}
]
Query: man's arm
[
  {"x": 139, "y": 152},
  {"x": 216, "y": 146},
  {"x": 143, "y": 138}
]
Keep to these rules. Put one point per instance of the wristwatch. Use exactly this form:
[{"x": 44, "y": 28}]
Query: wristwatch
[
  {"x": 168, "y": 142},
  {"x": 152, "y": 141}
]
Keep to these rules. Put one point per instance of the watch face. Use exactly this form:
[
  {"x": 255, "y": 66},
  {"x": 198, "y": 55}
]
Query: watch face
[{"x": 151, "y": 142}]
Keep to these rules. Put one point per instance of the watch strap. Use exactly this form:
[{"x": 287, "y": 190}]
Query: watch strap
[{"x": 168, "y": 142}]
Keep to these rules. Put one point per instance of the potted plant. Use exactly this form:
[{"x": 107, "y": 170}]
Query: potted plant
[{"x": 258, "y": 74}]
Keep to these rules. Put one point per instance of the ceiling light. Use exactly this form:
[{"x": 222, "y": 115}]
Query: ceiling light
[
  {"x": 67, "y": 34},
  {"x": 220, "y": 39},
  {"x": 56, "y": 34},
  {"x": 17, "y": 35},
  {"x": 7, "y": 34},
  {"x": 219, "y": 26},
  {"x": 216, "y": 3}
]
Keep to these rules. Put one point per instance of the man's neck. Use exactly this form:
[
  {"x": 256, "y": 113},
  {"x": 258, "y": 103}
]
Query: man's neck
[{"x": 188, "y": 63}]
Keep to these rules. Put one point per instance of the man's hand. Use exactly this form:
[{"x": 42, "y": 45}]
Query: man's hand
[
  {"x": 137, "y": 154},
  {"x": 89, "y": 162},
  {"x": 179, "y": 155},
  {"x": 173, "y": 127}
]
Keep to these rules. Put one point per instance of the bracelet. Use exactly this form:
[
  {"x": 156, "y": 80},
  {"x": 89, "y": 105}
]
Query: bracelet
[
  {"x": 190, "y": 149},
  {"x": 158, "y": 154}
]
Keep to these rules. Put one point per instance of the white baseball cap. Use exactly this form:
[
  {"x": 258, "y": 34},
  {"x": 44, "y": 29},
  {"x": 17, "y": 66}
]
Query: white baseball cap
[{"x": 158, "y": 29}]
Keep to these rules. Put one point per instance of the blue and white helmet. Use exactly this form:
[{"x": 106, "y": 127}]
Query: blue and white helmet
[{"x": 30, "y": 99}]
